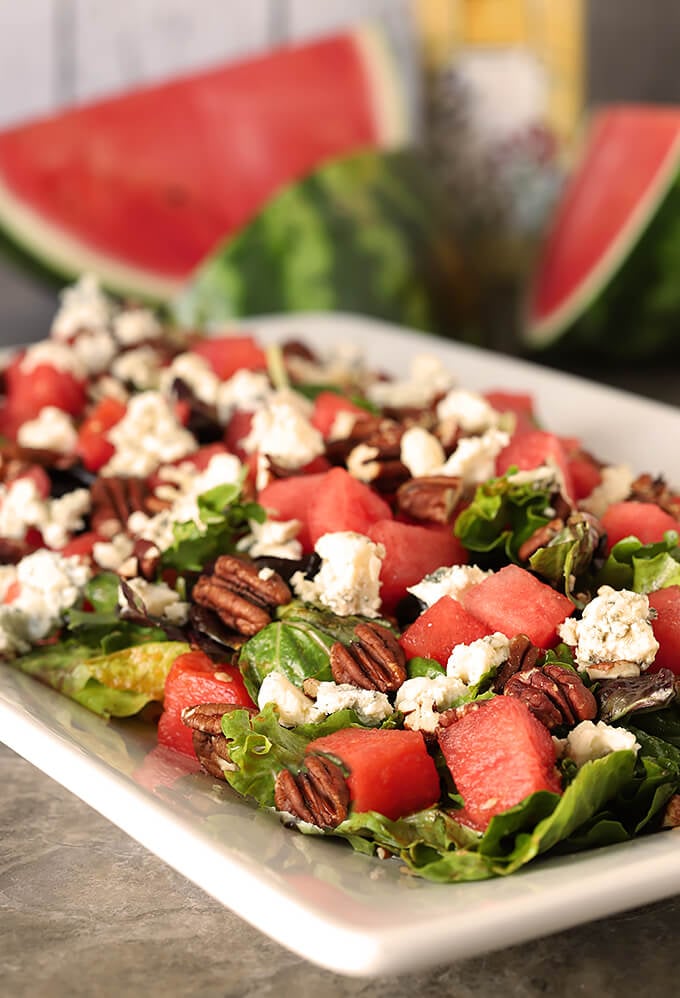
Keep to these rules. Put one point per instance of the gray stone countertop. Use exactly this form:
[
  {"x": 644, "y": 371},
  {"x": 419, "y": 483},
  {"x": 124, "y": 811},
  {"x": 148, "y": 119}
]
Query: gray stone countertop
[{"x": 87, "y": 911}]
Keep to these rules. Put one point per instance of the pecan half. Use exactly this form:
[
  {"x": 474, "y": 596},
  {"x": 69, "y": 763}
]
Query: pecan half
[
  {"x": 115, "y": 499},
  {"x": 242, "y": 595},
  {"x": 317, "y": 794},
  {"x": 433, "y": 498},
  {"x": 554, "y": 695},
  {"x": 210, "y": 745},
  {"x": 374, "y": 660},
  {"x": 522, "y": 656},
  {"x": 540, "y": 538},
  {"x": 377, "y": 459},
  {"x": 671, "y": 815}
]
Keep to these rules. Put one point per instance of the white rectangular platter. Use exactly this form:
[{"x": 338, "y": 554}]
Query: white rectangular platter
[{"x": 349, "y": 913}]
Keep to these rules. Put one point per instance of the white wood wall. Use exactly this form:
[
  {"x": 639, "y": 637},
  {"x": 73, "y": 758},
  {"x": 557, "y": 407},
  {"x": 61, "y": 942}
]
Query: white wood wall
[{"x": 57, "y": 52}]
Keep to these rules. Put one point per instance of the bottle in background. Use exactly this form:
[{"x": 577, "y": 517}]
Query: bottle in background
[{"x": 503, "y": 88}]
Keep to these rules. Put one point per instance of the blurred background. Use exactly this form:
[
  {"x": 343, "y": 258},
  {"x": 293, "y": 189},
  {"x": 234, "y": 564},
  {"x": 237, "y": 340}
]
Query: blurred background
[{"x": 560, "y": 60}]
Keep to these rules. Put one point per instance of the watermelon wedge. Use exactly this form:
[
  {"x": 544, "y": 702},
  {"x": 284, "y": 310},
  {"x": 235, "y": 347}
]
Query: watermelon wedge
[
  {"x": 140, "y": 187},
  {"x": 606, "y": 279}
]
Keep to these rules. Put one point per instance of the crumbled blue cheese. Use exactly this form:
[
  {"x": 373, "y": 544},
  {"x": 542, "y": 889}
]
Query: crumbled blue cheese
[
  {"x": 293, "y": 706},
  {"x": 195, "y": 372},
  {"x": 615, "y": 486},
  {"x": 22, "y": 507},
  {"x": 148, "y": 435},
  {"x": 84, "y": 306},
  {"x": 48, "y": 585},
  {"x": 281, "y": 429},
  {"x": 245, "y": 390},
  {"x": 343, "y": 424},
  {"x": 182, "y": 486},
  {"x": 272, "y": 539},
  {"x": 421, "y": 700},
  {"x": 474, "y": 459},
  {"x": 588, "y": 741},
  {"x": 139, "y": 367},
  {"x": 134, "y": 326},
  {"x": 470, "y": 663},
  {"x": 467, "y": 411},
  {"x": 362, "y": 463},
  {"x": 95, "y": 349},
  {"x": 421, "y": 452},
  {"x": 56, "y": 355},
  {"x": 449, "y": 580},
  {"x": 371, "y": 706},
  {"x": 614, "y": 637},
  {"x": 428, "y": 378},
  {"x": 349, "y": 578},
  {"x": 158, "y": 599},
  {"x": 111, "y": 555},
  {"x": 52, "y": 429}
]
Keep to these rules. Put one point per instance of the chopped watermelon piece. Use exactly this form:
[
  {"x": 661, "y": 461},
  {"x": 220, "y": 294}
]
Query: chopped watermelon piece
[
  {"x": 236, "y": 430},
  {"x": 290, "y": 499},
  {"x": 441, "y": 627},
  {"x": 498, "y": 754},
  {"x": 520, "y": 404},
  {"x": 412, "y": 552},
  {"x": 343, "y": 503},
  {"x": 666, "y": 627},
  {"x": 585, "y": 475},
  {"x": 532, "y": 450},
  {"x": 390, "y": 771},
  {"x": 229, "y": 354},
  {"x": 42, "y": 386},
  {"x": 327, "y": 406},
  {"x": 514, "y": 601},
  {"x": 644, "y": 520},
  {"x": 195, "y": 679},
  {"x": 93, "y": 448}
]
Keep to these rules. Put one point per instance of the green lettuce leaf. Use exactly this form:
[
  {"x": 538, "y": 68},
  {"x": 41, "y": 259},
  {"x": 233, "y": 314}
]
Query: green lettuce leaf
[
  {"x": 113, "y": 685},
  {"x": 223, "y": 520},
  {"x": 101, "y": 628},
  {"x": 502, "y": 516},
  {"x": 640, "y": 567},
  {"x": 298, "y": 644},
  {"x": 565, "y": 562}
]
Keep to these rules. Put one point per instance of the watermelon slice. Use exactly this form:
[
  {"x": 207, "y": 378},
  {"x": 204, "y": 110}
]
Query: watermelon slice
[
  {"x": 606, "y": 279},
  {"x": 138, "y": 188}
]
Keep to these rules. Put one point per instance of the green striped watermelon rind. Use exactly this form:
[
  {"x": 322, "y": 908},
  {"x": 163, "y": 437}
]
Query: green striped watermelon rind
[
  {"x": 45, "y": 247},
  {"x": 628, "y": 306},
  {"x": 359, "y": 234}
]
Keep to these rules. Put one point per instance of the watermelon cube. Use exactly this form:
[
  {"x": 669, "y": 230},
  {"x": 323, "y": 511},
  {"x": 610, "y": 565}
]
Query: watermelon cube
[
  {"x": 340, "y": 502},
  {"x": 514, "y": 601},
  {"x": 327, "y": 406},
  {"x": 390, "y": 771},
  {"x": 644, "y": 520},
  {"x": 498, "y": 754},
  {"x": 412, "y": 552},
  {"x": 290, "y": 499},
  {"x": 535, "y": 448},
  {"x": 439, "y": 629},
  {"x": 666, "y": 628}
]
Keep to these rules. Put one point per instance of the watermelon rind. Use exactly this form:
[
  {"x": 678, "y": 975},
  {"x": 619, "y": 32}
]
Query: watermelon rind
[
  {"x": 43, "y": 243},
  {"x": 359, "y": 234},
  {"x": 628, "y": 305}
]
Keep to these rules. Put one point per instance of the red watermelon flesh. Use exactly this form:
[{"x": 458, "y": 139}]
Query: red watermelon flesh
[
  {"x": 411, "y": 553},
  {"x": 666, "y": 627},
  {"x": 498, "y": 754},
  {"x": 644, "y": 520},
  {"x": 514, "y": 601},
  {"x": 441, "y": 627},
  {"x": 532, "y": 449},
  {"x": 341, "y": 502},
  {"x": 630, "y": 159},
  {"x": 390, "y": 771},
  {"x": 150, "y": 181}
]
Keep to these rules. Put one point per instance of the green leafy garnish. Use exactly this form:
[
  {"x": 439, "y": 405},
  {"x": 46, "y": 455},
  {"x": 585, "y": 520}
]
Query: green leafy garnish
[
  {"x": 223, "y": 519},
  {"x": 640, "y": 567}
]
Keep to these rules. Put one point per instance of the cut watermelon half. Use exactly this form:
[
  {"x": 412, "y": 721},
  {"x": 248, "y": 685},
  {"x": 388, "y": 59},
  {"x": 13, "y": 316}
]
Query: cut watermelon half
[
  {"x": 598, "y": 272},
  {"x": 138, "y": 188}
]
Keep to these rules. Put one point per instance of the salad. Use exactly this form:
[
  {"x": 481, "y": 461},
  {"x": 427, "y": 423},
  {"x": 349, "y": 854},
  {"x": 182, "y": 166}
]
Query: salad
[{"x": 393, "y": 610}]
